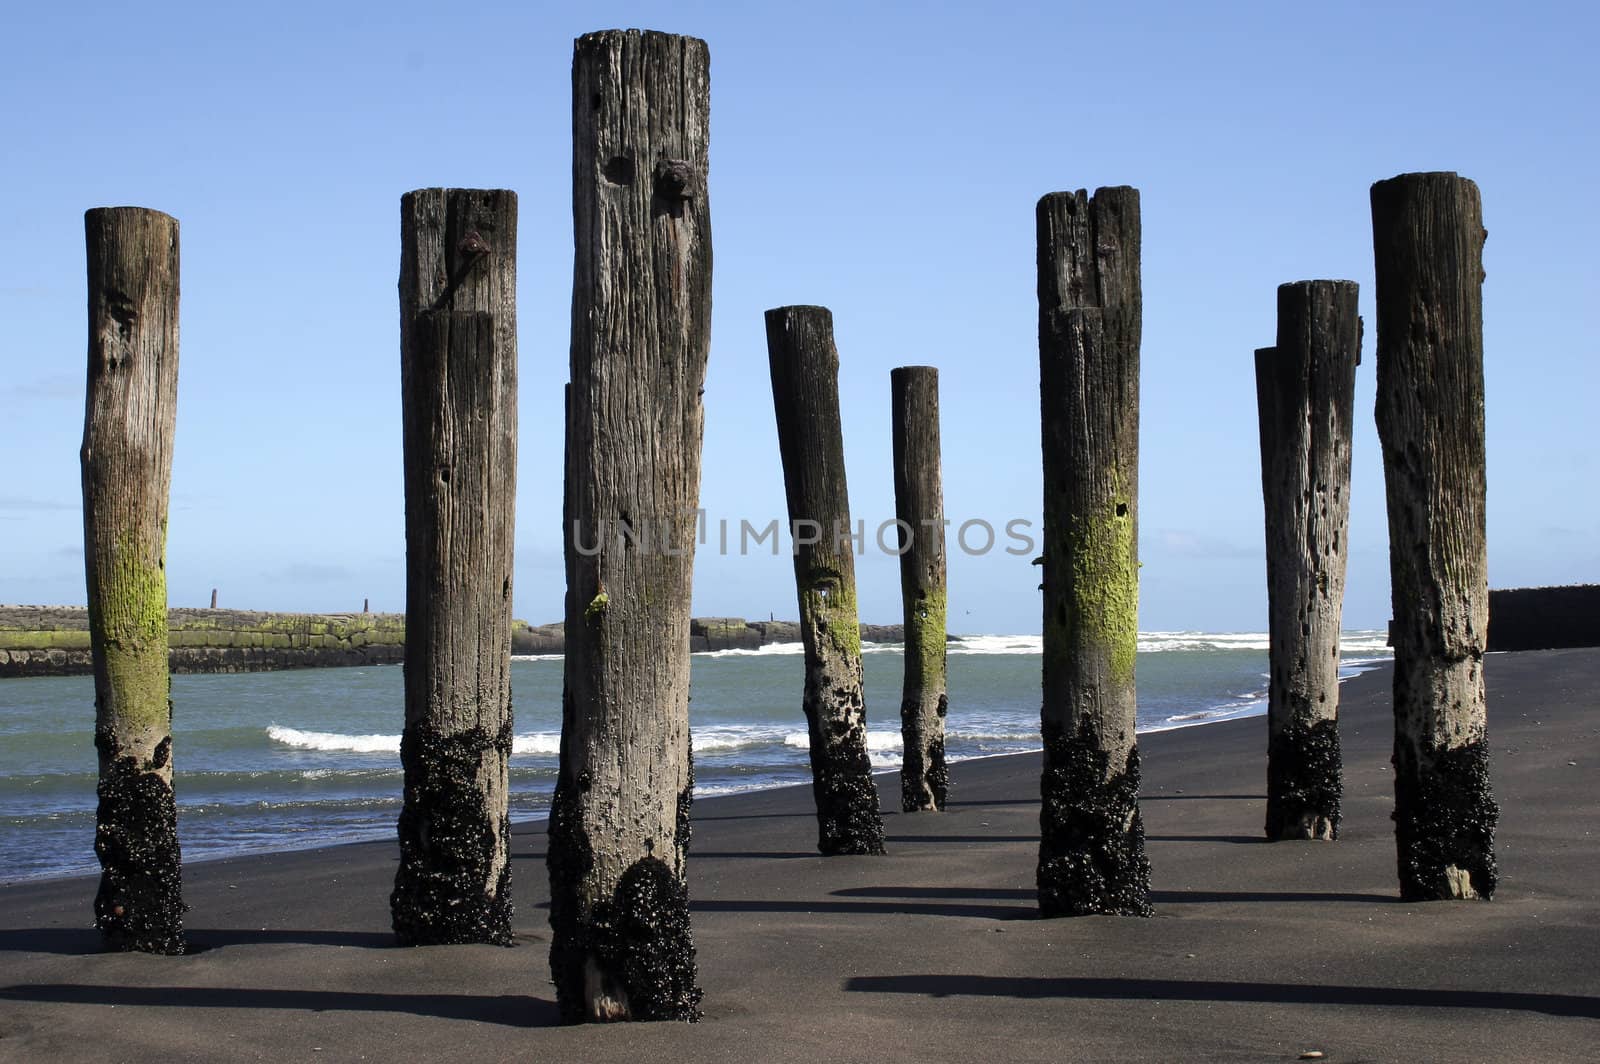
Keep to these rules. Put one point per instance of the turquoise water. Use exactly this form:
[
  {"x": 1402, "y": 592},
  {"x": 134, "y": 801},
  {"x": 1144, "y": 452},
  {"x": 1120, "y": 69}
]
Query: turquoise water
[{"x": 279, "y": 760}]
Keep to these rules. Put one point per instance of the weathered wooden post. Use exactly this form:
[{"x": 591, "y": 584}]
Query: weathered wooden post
[
  {"x": 458, "y": 381},
  {"x": 621, "y": 947},
  {"x": 128, "y": 426},
  {"x": 805, "y": 394},
  {"x": 919, "y": 507},
  {"x": 1427, "y": 238},
  {"x": 1091, "y": 839},
  {"x": 1305, "y": 395}
]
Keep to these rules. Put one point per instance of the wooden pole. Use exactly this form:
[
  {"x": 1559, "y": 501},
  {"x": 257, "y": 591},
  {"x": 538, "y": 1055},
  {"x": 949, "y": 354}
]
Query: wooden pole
[
  {"x": 621, "y": 947},
  {"x": 1427, "y": 237},
  {"x": 919, "y": 507},
  {"x": 1091, "y": 842},
  {"x": 805, "y": 394},
  {"x": 129, "y": 420},
  {"x": 1305, "y": 395},
  {"x": 458, "y": 360}
]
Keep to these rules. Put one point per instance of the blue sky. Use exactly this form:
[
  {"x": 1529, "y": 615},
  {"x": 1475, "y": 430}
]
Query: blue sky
[{"x": 880, "y": 159}]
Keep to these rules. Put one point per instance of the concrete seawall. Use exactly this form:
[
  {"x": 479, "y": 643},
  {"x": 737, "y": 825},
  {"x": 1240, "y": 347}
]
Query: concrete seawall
[
  {"x": 1544, "y": 618},
  {"x": 54, "y": 640}
]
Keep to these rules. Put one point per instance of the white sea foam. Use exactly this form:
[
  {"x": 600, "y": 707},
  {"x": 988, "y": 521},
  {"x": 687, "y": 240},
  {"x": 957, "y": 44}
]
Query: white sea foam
[
  {"x": 536, "y": 743},
  {"x": 1162, "y": 642},
  {"x": 1370, "y": 641},
  {"x": 766, "y": 651},
  {"x": 1359, "y": 641},
  {"x": 992, "y": 737},
  {"x": 996, "y": 644},
  {"x": 333, "y": 741},
  {"x": 1364, "y": 641},
  {"x": 1254, "y": 707},
  {"x": 876, "y": 740},
  {"x": 736, "y": 737}
]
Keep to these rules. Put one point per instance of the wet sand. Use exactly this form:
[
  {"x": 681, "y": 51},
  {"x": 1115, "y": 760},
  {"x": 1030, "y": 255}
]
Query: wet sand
[{"x": 1257, "y": 951}]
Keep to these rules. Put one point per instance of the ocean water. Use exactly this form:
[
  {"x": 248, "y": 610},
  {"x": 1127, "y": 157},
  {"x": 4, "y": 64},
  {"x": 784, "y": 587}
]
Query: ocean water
[{"x": 289, "y": 760}]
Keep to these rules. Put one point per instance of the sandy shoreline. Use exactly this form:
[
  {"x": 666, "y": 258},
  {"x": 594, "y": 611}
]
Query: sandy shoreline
[{"x": 1256, "y": 952}]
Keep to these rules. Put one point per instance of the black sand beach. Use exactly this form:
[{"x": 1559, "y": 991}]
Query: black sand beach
[{"x": 1257, "y": 952}]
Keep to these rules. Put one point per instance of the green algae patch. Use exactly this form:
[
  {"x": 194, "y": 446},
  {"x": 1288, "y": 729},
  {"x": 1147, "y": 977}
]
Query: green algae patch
[
  {"x": 832, "y": 602},
  {"x": 50, "y": 639},
  {"x": 597, "y": 606},
  {"x": 132, "y": 615},
  {"x": 234, "y": 629},
  {"x": 1104, "y": 601},
  {"x": 925, "y": 634}
]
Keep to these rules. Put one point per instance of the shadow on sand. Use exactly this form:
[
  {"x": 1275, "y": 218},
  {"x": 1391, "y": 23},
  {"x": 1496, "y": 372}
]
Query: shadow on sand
[
  {"x": 1158, "y": 897},
  {"x": 83, "y": 941},
  {"x": 940, "y": 986},
  {"x": 511, "y": 1010}
]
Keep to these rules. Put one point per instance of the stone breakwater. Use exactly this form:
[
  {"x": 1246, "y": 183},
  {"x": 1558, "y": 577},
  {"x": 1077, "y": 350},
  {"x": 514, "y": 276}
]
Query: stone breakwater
[
  {"x": 54, "y": 640},
  {"x": 705, "y": 634}
]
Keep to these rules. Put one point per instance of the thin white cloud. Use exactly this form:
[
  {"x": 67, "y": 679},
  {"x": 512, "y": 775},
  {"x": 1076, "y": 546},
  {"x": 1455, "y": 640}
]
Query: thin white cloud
[
  {"x": 53, "y": 386},
  {"x": 15, "y": 504},
  {"x": 1186, "y": 543}
]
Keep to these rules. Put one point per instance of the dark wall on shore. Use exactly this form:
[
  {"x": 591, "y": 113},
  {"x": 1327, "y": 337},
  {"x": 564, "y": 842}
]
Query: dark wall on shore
[
  {"x": 1545, "y": 618},
  {"x": 54, "y": 640}
]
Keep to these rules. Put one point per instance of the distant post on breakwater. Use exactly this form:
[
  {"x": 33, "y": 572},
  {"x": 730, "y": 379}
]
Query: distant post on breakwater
[
  {"x": 1427, "y": 237},
  {"x": 1305, "y": 396},
  {"x": 919, "y": 507},
  {"x": 805, "y": 393},
  {"x": 1091, "y": 838},
  {"x": 621, "y": 947},
  {"x": 458, "y": 383},
  {"x": 128, "y": 428}
]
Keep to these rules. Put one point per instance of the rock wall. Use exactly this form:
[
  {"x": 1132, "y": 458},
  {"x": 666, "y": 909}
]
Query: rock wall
[
  {"x": 705, "y": 634},
  {"x": 54, "y": 640}
]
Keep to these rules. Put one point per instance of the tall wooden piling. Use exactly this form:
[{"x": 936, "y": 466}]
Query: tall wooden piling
[
  {"x": 129, "y": 420},
  {"x": 805, "y": 393},
  {"x": 1091, "y": 842},
  {"x": 919, "y": 507},
  {"x": 1305, "y": 395},
  {"x": 621, "y": 947},
  {"x": 458, "y": 361},
  {"x": 1427, "y": 237}
]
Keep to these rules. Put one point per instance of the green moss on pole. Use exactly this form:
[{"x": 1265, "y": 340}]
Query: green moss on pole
[
  {"x": 1105, "y": 585},
  {"x": 127, "y": 470},
  {"x": 1091, "y": 841},
  {"x": 804, "y": 365},
  {"x": 919, "y": 509}
]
